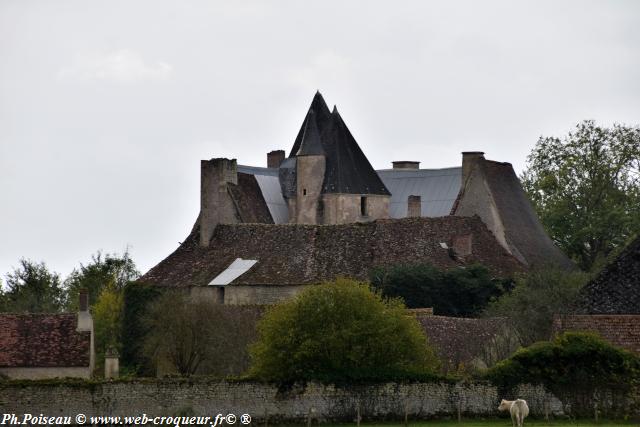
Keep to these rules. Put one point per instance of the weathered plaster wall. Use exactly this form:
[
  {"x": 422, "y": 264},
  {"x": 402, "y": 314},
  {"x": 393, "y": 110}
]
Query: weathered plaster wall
[
  {"x": 309, "y": 175},
  {"x": 345, "y": 208},
  {"x": 202, "y": 397},
  {"x": 247, "y": 295},
  {"x": 43, "y": 373}
]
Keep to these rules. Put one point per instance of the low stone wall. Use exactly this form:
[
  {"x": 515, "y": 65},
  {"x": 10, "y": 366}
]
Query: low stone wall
[{"x": 202, "y": 397}]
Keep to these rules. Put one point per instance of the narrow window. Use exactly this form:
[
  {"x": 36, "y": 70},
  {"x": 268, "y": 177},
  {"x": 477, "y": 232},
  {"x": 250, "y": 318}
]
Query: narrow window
[
  {"x": 363, "y": 206},
  {"x": 304, "y": 191},
  {"x": 220, "y": 295}
]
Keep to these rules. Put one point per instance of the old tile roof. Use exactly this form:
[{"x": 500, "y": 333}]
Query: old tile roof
[
  {"x": 249, "y": 200},
  {"x": 459, "y": 340},
  {"x": 616, "y": 290},
  {"x": 42, "y": 340},
  {"x": 620, "y": 330},
  {"x": 306, "y": 254}
]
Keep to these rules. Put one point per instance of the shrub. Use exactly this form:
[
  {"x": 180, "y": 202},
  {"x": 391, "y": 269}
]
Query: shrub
[
  {"x": 574, "y": 366},
  {"x": 535, "y": 299},
  {"x": 457, "y": 292},
  {"x": 337, "y": 332}
]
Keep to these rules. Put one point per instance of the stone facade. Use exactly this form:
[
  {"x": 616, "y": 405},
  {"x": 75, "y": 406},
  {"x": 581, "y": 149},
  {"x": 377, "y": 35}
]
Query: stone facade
[
  {"x": 201, "y": 397},
  {"x": 348, "y": 208}
]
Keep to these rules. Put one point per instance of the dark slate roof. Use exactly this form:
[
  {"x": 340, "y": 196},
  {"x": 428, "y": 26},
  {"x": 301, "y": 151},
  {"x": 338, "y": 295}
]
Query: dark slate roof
[
  {"x": 249, "y": 201},
  {"x": 348, "y": 170},
  {"x": 42, "y": 340},
  {"x": 306, "y": 254},
  {"x": 311, "y": 144},
  {"x": 616, "y": 290},
  {"x": 322, "y": 114}
]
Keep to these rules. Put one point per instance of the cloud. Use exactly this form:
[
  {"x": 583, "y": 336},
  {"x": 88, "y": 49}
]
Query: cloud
[{"x": 122, "y": 65}]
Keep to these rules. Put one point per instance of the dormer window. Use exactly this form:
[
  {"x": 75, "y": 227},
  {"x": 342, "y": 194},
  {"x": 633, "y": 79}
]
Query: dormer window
[{"x": 364, "y": 211}]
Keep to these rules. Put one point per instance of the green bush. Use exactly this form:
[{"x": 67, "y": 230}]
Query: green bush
[
  {"x": 457, "y": 292},
  {"x": 574, "y": 366},
  {"x": 340, "y": 332}
]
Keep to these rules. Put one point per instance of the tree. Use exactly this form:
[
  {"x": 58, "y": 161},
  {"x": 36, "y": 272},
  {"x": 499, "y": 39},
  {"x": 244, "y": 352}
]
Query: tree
[
  {"x": 586, "y": 189},
  {"x": 107, "y": 320},
  {"x": 32, "y": 288},
  {"x": 340, "y": 331},
  {"x": 199, "y": 337},
  {"x": 457, "y": 292},
  {"x": 535, "y": 299},
  {"x": 108, "y": 270}
]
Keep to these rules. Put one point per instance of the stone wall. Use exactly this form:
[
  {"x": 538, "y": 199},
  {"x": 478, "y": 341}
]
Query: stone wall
[
  {"x": 346, "y": 208},
  {"x": 203, "y": 397}
]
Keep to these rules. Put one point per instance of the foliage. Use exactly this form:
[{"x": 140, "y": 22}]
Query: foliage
[
  {"x": 457, "y": 292},
  {"x": 338, "y": 332},
  {"x": 573, "y": 366},
  {"x": 32, "y": 288},
  {"x": 586, "y": 189},
  {"x": 536, "y": 298},
  {"x": 108, "y": 270},
  {"x": 136, "y": 298},
  {"x": 107, "y": 321},
  {"x": 199, "y": 337}
]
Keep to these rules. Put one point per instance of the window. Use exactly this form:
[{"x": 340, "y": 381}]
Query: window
[
  {"x": 220, "y": 295},
  {"x": 363, "y": 206},
  {"x": 304, "y": 191}
]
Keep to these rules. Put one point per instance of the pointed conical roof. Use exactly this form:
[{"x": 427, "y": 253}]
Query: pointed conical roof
[
  {"x": 310, "y": 144},
  {"x": 347, "y": 170},
  {"x": 322, "y": 115}
]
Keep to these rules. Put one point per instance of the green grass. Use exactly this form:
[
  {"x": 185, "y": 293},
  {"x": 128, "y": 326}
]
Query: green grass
[{"x": 502, "y": 422}]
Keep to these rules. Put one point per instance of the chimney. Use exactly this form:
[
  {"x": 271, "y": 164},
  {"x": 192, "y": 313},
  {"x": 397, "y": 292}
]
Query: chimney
[
  {"x": 469, "y": 160},
  {"x": 83, "y": 302},
  {"x": 216, "y": 205},
  {"x": 274, "y": 158},
  {"x": 85, "y": 321},
  {"x": 111, "y": 363},
  {"x": 406, "y": 164},
  {"x": 414, "y": 206}
]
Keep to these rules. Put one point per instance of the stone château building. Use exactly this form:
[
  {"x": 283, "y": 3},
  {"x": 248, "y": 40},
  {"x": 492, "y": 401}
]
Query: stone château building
[{"x": 263, "y": 233}]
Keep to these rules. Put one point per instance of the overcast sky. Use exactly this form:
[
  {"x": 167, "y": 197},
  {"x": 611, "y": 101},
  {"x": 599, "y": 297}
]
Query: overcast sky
[{"x": 107, "y": 107}]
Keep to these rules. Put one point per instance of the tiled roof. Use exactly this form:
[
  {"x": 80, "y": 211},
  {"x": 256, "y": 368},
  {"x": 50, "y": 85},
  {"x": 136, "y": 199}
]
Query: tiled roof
[
  {"x": 249, "y": 201},
  {"x": 616, "y": 290},
  {"x": 620, "y": 330},
  {"x": 305, "y": 254},
  {"x": 42, "y": 340},
  {"x": 459, "y": 340}
]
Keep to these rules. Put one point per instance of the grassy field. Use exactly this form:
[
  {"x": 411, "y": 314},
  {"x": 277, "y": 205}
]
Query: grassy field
[{"x": 494, "y": 423}]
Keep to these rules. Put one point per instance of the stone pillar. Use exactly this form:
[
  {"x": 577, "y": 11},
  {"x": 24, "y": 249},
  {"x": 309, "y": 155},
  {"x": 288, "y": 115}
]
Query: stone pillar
[
  {"x": 111, "y": 363},
  {"x": 414, "y": 206},
  {"x": 274, "y": 158}
]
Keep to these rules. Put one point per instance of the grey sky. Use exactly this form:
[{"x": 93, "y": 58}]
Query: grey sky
[{"x": 107, "y": 107}]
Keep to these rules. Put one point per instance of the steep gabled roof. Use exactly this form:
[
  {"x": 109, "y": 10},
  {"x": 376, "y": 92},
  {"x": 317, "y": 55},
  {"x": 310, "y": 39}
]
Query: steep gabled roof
[
  {"x": 348, "y": 170},
  {"x": 295, "y": 254},
  {"x": 616, "y": 290},
  {"x": 43, "y": 341},
  {"x": 249, "y": 201}
]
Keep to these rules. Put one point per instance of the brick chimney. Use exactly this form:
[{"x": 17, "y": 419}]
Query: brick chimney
[
  {"x": 469, "y": 160},
  {"x": 406, "y": 164},
  {"x": 274, "y": 158},
  {"x": 216, "y": 205},
  {"x": 414, "y": 206}
]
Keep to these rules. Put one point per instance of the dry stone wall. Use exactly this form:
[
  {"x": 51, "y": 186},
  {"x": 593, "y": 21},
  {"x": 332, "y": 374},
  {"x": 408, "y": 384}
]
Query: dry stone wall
[{"x": 201, "y": 397}]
